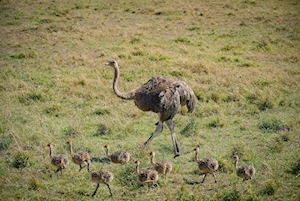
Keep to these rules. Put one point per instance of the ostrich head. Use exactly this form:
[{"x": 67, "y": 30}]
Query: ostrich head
[
  {"x": 106, "y": 146},
  {"x": 69, "y": 141},
  {"x": 235, "y": 156},
  {"x": 112, "y": 63},
  {"x": 137, "y": 162},
  {"x": 196, "y": 149},
  {"x": 152, "y": 153},
  {"x": 49, "y": 144}
]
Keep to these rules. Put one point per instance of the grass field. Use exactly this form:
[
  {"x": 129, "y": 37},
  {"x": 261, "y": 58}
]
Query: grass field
[{"x": 241, "y": 58}]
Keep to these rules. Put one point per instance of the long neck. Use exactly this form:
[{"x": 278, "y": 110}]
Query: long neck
[
  {"x": 50, "y": 153},
  {"x": 196, "y": 156},
  {"x": 107, "y": 152},
  {"x": 129, "y": 95},
  {"x": 152, "y": 159},
  {"x": 71, "y": 149},
  {"x": 235, "y": 163},
  {"x": 137, "y": 169}
]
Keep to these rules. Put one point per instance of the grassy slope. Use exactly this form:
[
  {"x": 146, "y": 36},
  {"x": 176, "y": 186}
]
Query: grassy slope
[{"x": 240, "y": 57}]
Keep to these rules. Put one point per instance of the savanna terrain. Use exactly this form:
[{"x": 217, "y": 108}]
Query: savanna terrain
[{"x": 241, "y": 58}]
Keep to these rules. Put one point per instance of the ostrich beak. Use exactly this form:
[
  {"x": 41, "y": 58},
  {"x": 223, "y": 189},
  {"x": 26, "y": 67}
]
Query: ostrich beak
[{"x": 109, "y": 63}]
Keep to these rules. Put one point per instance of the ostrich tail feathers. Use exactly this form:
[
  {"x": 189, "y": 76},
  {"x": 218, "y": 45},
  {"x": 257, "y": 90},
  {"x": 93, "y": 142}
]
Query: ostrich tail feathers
[{"x": 187, "y": 97}]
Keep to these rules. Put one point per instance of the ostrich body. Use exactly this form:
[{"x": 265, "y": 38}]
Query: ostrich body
[
  {"x": 245, "y": 171},
  {"x": 101, "y": 177},
  {"x": 160, "y": 95},
  {"x": 59, "y": 160},
  {"x": 79, "y": 158},
  {"x": 206, "y": 165},
  {"x": 162, "y": 167},
  {"x": 120, "y": 156},
  {"x": 146, "y": 176}
]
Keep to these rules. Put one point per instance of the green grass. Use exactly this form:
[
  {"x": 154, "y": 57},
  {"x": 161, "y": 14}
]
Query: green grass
[{"x": 240, "y": 57}]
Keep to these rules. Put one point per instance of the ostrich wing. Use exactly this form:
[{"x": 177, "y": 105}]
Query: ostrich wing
[
  {"x": 250, "y": 170},
  {"x": 163, "y": 95},
  {"x": 156, "y": 95}
]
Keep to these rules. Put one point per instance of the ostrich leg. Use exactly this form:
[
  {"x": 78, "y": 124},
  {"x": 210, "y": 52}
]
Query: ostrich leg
[
  {"x": 96, "y": 190},
  {"x": 215, "y": 177},
  {"x": 203, "y": 178},
  {"x": 159, "y": 128},
  {"x": 109, "y": 190},
  {"x": 171, "y": 125}
]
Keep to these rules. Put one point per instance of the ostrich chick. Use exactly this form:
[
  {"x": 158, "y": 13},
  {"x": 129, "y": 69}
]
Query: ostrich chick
[
  {"x": 101, "y": 177},
  {"x": 245, "y": 171},
  {"x": 81, "y": 158},
  {"x": 162, "y": 167},
  {"x": 146, "y": 176},
  {"x": 59, "y": 160},
  {"x": 120, "y": 156},
  {"x": 206, "y": 165}
]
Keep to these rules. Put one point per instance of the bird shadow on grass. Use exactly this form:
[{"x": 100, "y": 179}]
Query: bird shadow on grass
[
  {"x": 192, "y": 182},
  {"x": 100, "y": 160},
  {"x": 189, "y": 182}
]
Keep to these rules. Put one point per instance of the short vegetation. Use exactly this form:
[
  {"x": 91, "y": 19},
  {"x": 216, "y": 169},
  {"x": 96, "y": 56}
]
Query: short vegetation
[{"x": 241, "y": 58}]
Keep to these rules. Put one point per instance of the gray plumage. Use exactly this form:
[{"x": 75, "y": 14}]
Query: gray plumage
[
  {"x": 162, "y": 167},
  {"x": 60, "y": 160},
  {"x": 160, "y": 95},
  {"x": 119, "y": 156},
  {"x": 146, "y": 176},
  {"x": 101, "y": 177},
  {"x": 245, "y": 171},
  {"x": 206, "y": 165},
  {"x": 81, "y": 158}
]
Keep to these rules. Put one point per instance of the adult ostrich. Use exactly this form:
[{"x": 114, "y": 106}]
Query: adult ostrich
[{"x": 160, "y": 95}]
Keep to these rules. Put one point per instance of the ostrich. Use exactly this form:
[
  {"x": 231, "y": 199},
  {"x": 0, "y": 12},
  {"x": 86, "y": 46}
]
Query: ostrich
[
  {"x": 79, "y": 158},
  {"x": 206, "y": 165},
  {"x": 245, "y": 171},
  {"x": 146, "y": 176},
  {"x": 101, "y": 177},
  {"x": 60, "y": 160},
  {"x": 162, "y": 167},
  {"x": 160, "y": 95},
  {"x": 120, "y": 156}
]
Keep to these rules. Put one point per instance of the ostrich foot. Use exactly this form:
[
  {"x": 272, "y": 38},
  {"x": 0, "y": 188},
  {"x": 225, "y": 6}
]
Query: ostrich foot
[{"x": 176, "y": 155}]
